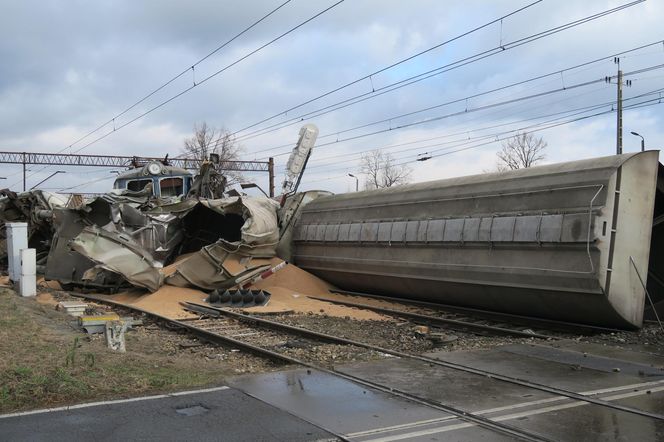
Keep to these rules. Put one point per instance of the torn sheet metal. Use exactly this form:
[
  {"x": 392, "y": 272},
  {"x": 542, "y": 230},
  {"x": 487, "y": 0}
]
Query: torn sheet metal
[
  {"x": 119, "y": 253},
  {"x": 68, "y": 266},
  {"x": 35, "y": 208},
  {"x": 251, "y": 222},
  {"x": 111, "y": 212},
  {"x": 155, "y": 235},
  {"x": 215, "y": 267}
]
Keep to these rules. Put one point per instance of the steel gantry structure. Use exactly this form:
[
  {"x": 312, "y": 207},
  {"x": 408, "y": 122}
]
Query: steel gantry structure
[{"x": 64, "y": 159}]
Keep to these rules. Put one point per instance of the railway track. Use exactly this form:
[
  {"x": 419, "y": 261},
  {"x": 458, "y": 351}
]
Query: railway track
[
  {"x": 223, "y": 332},
  {"x": 468, "y": 319},
  {"x": 265, "y": 338}
]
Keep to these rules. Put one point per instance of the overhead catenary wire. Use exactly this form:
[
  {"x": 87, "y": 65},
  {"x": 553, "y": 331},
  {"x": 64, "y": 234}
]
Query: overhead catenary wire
[
  {"x": 86, "y": 183},
  {"x": 375, "y": 92},
  {"x": 651, "y": 103},
  {"x": 533, "y": 127},
  {"x": 335, "y": 133},
  {"x": 348, "y": 155},
  {"x": 454, "y": 134},
  {"x": 458, "y": 63},
  {"x": 573, "y": 112},
  {"x": 540, "y": 34},
  {"x": 393, "y": 65},
  {"x": 214, "y": 74},
  {"x": 167, "y": 83},
  {"x": 466, "y": 132},
  {"x": 480, "y": 94},
  {"x": 182, "y": 73},
  {"x": 476, "y": 109},
  {"x": 433, "y": 72},
  {"x": 448, "y": 135},
  {"x": 209, "y": 77}
]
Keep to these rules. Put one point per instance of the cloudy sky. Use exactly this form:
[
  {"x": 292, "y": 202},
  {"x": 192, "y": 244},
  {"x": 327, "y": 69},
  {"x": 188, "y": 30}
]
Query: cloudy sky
[{"x": 67, "y": 67}]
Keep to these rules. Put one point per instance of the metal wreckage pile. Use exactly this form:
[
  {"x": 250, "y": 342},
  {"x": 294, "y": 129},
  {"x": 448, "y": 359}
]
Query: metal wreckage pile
[{"x": 209, "y": 239}]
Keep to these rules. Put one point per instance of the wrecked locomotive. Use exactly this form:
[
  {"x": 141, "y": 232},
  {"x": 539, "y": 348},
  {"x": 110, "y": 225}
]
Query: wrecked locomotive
[
  {"x": 158, "y": 226},
  {"x": 164, "y": 180}
]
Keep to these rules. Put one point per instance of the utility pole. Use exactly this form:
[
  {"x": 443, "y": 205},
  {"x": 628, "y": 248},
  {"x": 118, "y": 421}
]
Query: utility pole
[
  {"x": 619, "y": 105},
  {"x": 619, "y": 121},
  {"x": 24, "y": 171},
  {"x": 270, "y": 170}
]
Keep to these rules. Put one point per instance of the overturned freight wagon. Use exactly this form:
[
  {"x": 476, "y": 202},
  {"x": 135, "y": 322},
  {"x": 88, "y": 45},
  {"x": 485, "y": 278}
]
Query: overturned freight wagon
[{"x": 567, "y": 241}]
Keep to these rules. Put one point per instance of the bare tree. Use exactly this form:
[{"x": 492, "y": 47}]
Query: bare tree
[
  {"x": 381, "y": 171},
  {"x": 207, "y": 140},
  {"x": 522, "y": 150}
]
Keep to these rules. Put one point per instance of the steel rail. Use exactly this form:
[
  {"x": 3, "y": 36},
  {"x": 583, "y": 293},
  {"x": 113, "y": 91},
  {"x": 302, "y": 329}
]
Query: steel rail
[
  {"x": 215, "y": 337},
  {"x": 434, "y": 320},
  {"x": 440, "y": 362},
  {"x": 530, "y": 320}
]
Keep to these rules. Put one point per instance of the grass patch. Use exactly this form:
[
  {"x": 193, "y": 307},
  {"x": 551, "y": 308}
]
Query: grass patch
[{"x": 44, "y": 362}]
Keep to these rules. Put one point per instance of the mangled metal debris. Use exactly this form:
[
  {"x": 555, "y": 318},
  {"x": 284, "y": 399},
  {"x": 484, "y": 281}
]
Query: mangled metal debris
[
  {"x": 36, "y": 208},
  {"x": 119, "y": 254},
  {"x": 140, "y": 236}
]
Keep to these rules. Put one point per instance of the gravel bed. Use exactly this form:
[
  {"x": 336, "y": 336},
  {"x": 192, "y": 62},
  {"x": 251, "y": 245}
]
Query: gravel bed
[
  {"x": 649, "y": 338},
  {"x": 397, "y": 335}
]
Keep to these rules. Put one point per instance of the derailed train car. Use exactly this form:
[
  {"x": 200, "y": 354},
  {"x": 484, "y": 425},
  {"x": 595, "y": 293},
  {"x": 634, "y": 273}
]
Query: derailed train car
[{"x": 568, "y": 241}]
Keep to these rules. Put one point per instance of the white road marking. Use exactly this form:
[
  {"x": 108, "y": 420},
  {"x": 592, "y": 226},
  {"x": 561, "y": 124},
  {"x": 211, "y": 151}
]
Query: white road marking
[
  {"x": 643, "y": 386},
  {"x": 118, "y": 401}
]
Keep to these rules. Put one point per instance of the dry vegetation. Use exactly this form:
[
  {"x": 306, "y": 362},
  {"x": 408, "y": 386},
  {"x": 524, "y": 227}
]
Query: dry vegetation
[{"x": 45, "y": 362}]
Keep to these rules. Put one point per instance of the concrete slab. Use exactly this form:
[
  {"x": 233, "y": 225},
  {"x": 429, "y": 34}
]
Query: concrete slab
[
  {"x": 649, "y": 349},
  {"x": 554, "y": 417},
  {"x": 453, "y": 387},
  {"x": 451, "y": 430},
  {"x": 332, "y": 402},
  {"x": 586, "y": 360},
  {"x": 653, "y": 402},
  {"x": 551, "y": 418},
  {"x": 554, "y": 367},
  {"x": 355, "y": 412},
  {"x": 518, "y": 405},
  {"x": 207, "y": 416},
  {"x": 611, "y": 351},
  {"x": 591, "y": 423}
]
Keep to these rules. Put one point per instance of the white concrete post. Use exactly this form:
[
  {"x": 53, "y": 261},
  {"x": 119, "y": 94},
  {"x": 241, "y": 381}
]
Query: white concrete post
[
  {"x": 17, "y": 239},
  {"x": 28, "y": 283}
]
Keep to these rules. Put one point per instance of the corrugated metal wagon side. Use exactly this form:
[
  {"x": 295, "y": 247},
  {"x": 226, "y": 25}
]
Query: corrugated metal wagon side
[{"x": 555, "y": 241}]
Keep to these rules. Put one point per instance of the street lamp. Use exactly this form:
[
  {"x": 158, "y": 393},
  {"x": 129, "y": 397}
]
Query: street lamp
[
  {"x": 48, "y": 178},
  {"x": 357, "y": 181},
  {"x": 643, "y": 142}
]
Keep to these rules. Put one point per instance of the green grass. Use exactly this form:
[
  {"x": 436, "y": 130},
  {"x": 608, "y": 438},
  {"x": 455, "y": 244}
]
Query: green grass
[{"x": 45, "y": 363}]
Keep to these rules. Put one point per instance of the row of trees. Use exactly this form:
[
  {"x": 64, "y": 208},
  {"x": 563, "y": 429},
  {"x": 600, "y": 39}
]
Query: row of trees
[
  {"x": 522, "y": 150},
  {"x": 379, "y": 167}
]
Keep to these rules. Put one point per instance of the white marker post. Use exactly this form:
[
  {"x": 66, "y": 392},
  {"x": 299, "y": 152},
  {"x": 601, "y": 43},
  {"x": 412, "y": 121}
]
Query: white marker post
[
  {"x": 28, "y": 283},
  {"x": 17, "y": 240}
]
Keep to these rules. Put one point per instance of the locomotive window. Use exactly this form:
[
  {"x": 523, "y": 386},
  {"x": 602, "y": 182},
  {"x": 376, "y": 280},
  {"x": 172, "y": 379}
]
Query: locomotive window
[
  {"x": 171, "y": 187},
  {"x": 137, "y": 185}
]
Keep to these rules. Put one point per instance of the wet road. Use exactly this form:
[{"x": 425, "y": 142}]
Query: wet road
[
  {"x": 299, "y": 404},
  {"x": 618, "y": 376}
]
